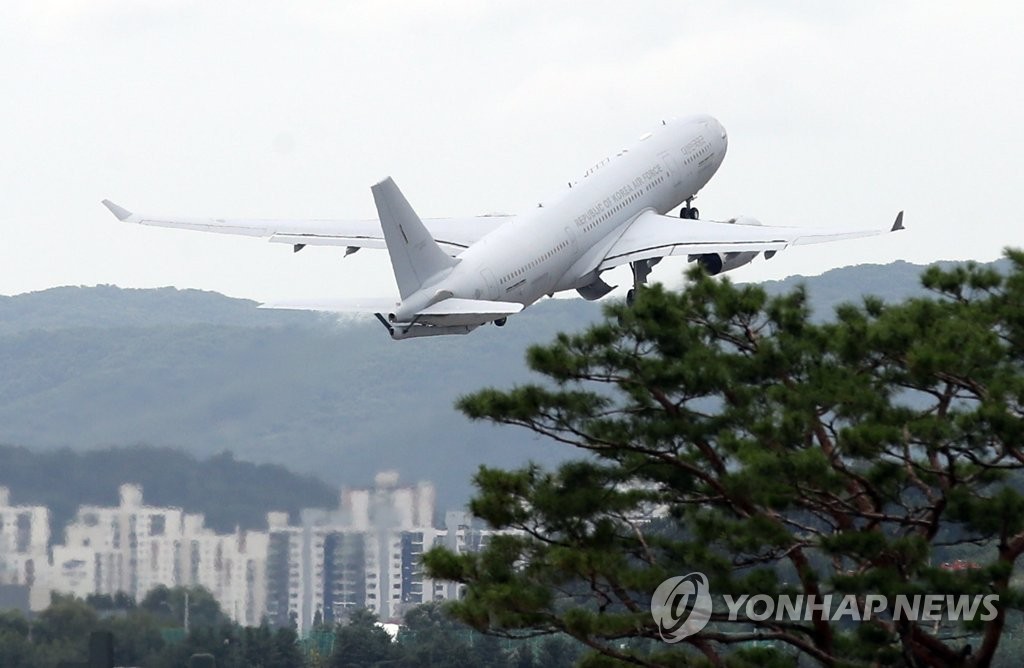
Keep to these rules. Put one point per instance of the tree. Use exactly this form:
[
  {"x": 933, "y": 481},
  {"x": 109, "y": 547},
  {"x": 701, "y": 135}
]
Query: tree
[
  {"x": 728, "y": 433},
  {"x": 431, "y": 637},
  {"x": 361, "y": 643},
  {"x": 15, "y": 648},
  {"x": 285, "y": 652},
  {"x": 169, "y": 604}
]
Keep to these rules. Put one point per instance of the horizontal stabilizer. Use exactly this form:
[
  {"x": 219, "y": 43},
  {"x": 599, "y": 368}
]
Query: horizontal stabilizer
[
  {"x": 455, "y": 306},
  {"x": 470, "y": 312},
  {"x": 337, "y": 305}
]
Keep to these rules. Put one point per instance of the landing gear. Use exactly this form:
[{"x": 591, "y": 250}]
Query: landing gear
[
  {"x": 689, "y": 212},
  {"x": 500, "y": 322},
  {"x": 641, "y": 270}
]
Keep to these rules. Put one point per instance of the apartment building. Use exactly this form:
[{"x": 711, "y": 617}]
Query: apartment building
[{"x": 24, "y": 539}]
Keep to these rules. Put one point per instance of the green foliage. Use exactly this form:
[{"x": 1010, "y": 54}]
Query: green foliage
[
  {"x": 729, "y": 432},
  {"x": 168, "y": 604},
  {"x": 150, "y": 634},
  {"x": 361, "y": 643}
]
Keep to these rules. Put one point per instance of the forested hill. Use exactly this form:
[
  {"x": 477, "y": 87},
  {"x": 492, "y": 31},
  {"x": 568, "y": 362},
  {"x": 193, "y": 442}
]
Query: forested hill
[
  {"x": 228, "y": 492},
  {"x": 90, "y": 367}
]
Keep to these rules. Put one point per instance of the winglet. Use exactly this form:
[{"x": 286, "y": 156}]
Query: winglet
[
  {"x": 898, "y": 225},
  {"x": 120, "y": 212}
]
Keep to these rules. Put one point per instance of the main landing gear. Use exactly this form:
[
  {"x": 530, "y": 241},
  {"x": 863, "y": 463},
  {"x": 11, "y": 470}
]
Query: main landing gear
[
  {"x": 689, "y": 212},
  {"x": 641, "y": 270},
  {"x": 500, "y": 322}
]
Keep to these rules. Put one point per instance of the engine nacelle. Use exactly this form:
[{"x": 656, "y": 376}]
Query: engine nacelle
[
  {"x": 744, "y": 220},
  {"x": 718, "y": 263}
]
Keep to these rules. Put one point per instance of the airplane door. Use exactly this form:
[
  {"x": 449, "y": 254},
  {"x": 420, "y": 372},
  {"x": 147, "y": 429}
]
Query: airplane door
[
  {"x": 491, "y": 284},
  {"x": 668, "y": 162}
]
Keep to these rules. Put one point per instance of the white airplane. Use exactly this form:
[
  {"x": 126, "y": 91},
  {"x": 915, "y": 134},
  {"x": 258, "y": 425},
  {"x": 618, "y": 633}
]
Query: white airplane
[{"x": 455, "y": 274}]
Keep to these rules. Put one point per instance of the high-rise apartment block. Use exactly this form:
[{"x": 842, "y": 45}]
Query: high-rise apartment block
[
  {"x": 366, "y": 553},
  {"x": 24, "y": 540},
  {"x": 133, "y": 548}
]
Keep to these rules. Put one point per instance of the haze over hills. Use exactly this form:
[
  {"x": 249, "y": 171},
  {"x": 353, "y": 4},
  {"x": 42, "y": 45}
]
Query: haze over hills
[
  {"x": 88, "y": 367},
  {"x": 230, "y": 493}
]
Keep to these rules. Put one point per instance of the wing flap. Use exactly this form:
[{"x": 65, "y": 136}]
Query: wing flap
[{"x": 324, "y": 240}]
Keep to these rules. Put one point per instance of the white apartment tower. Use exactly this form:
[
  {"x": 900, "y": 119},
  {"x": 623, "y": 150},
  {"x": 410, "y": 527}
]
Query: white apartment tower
[
  {"x": 133, "y": 548},
  {"x": 24, "y": 539},
  {"x": 367, "y": 553}
]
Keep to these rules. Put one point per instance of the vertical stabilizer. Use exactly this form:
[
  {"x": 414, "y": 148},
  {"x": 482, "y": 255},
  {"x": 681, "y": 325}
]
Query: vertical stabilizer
[{"x": 415, "y": 256}]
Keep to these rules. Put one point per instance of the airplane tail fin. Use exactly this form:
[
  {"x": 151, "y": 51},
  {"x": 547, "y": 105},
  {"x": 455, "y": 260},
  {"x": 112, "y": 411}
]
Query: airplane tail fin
[{"x": 415, "y": 256}]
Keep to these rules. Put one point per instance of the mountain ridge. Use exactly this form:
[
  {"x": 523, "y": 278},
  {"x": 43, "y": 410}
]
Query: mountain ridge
[{"x": 204, "y": 373}]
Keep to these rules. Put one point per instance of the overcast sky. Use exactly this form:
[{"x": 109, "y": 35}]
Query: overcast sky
[{"x": 839, "y": 114}]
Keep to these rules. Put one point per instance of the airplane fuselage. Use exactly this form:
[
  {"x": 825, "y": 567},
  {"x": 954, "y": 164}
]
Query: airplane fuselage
[
  {"x": 456, "y": 274},
  {"x": 558, "y": 245}
]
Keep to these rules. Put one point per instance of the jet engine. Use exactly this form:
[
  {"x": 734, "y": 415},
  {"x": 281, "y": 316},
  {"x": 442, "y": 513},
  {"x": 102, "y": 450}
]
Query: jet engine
[{"x": 718, "y": 263}]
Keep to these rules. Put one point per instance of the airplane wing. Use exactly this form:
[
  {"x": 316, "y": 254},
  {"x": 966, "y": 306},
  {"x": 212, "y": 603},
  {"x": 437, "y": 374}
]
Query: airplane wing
[
  {"x": 652, "y": 235},
  {"x": 453, "y": 234},
  {"x": 336, "y": 305},
  {"x": 447, "y": 312}
]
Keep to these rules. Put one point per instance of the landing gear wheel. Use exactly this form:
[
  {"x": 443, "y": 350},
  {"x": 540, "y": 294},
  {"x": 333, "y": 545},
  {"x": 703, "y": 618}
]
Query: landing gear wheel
[
  {"x": 500, "y": 322},
  {"x": 630, "y": 297},
  {"x": 689, "y": 212}
]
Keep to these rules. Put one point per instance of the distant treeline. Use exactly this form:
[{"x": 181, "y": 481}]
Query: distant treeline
[
  {"x": 150, "y": 634},
  {"x": 227, "y": 491}
]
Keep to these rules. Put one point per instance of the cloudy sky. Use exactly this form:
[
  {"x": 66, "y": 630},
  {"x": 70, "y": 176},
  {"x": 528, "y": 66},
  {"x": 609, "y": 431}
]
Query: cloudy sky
[{"x": 839, "y": 114}]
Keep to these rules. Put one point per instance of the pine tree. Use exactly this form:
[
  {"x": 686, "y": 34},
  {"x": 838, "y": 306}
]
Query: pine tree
[{"x": 728, "y": 433}]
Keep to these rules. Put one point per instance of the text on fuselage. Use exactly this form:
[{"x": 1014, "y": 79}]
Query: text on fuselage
[{"x": 598, "y": 208}]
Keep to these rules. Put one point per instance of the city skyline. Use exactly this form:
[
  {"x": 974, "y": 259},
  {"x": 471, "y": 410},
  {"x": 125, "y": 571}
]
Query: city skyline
[{"x": 363, "y": 553}]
